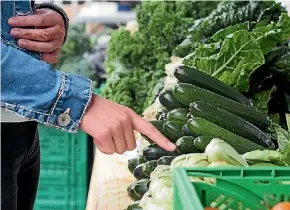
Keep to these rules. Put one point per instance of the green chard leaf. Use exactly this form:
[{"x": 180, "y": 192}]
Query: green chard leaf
[
  {"x": 288, "y": 121},
  {"x": 283, "y": 138},
  {"x": 261, "y": 100},
  {"x": 235, "y": 53},
  {"x": 270, "y": 35},
  {"x": 238, "y": 57}
]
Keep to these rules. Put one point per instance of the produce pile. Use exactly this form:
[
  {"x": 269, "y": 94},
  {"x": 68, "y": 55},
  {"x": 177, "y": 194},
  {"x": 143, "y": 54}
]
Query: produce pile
[
  {"x": 224, "y": 103},
  {"x": 137, "y": 54}
]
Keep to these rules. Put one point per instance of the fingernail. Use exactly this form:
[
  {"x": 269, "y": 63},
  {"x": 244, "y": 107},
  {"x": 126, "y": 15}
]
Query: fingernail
[
  {"x": 171, "y": 146},
  {"x": 12, "y": 21},
  {"x": 15, "y": 33},
  {"x": 23, "y": 44}
]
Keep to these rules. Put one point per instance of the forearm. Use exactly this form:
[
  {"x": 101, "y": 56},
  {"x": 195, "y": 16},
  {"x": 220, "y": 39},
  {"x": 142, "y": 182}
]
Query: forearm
[{"x": 32, "y": 89}]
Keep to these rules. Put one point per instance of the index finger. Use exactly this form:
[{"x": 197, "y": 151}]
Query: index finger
[
  {"x": 143, "y": 126},
  {"x": 33, "y": 20}
]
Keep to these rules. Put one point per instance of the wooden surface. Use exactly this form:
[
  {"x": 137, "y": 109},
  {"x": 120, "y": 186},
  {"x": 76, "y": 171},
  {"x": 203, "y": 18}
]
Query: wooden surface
[{"x": 109, "y": 181}]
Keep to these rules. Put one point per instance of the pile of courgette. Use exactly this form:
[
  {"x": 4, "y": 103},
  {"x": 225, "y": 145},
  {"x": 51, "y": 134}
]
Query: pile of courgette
[{"x": 198, "y": 109}]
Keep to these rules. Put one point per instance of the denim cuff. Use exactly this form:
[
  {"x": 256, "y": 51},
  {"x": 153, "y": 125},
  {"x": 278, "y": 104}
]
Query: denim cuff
[{"x": 71, "y": 103}]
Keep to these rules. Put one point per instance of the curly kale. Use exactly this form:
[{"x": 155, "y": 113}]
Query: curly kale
[
  {"x": 162, "y": 25},
  {"x": 227, "y": 14}
]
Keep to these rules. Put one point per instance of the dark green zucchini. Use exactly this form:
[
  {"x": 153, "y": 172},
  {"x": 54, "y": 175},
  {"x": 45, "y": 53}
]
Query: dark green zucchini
[
  {"x": 154, "y": 152},
  {"x": 158, "y": 124},
  {"x": 141, "y": 159},
  {"x": 202, "y": 127},
  {"x": 178, "y": 115},
  {"x": 173, "y": 130},
  {"x": 132, "y": 164},
  {"x": 169, "y": 101},
  {"x": 200, "y": 79},
  {"x": 186, "y": 131},
  {"x": 166, "y": 160},
  {"x": 137, "y": 189},
  {"x": 187, "y": 93},
  {"x": 231, "y": 122},
  {"x": 134, "y": 206},
  {"x": 201, "y": 142},
  {"x": 186, "y": 145},
  {"x": 144, "y": 170}
]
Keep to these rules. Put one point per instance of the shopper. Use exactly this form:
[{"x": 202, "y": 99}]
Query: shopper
[{"x": 32, "y": 91}]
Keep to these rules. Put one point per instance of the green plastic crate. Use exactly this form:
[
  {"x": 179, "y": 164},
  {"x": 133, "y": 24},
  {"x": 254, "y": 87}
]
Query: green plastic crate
[
  {"x": 64, "y": 170},
  {"x": 235, "y": 188},
  {"x": 61, "y": 198}
]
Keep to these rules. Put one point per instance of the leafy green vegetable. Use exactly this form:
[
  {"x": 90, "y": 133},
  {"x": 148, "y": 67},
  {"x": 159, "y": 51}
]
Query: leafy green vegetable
[
  {"x": 265, "y": 156},
  {"x": 233, "y": 57},
  {"x": 228, "y": 13},
  {"x": 239, "y": 56},
  {"x": 218, "y": 150},
  {"x": 162, "y": 25},
  {"x": 283, "y": 138},
  {"x": 261, "y": 100},
  {"x": 288, "y": 121},
  {"x": 190, "y": 160}
]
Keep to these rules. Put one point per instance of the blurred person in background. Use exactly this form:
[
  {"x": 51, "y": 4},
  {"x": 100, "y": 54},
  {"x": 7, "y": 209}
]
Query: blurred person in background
[{"x": 33, "y": 92}]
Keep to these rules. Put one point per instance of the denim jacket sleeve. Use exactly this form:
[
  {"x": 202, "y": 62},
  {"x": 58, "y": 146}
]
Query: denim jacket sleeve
[{"x": 34, "y": 90}]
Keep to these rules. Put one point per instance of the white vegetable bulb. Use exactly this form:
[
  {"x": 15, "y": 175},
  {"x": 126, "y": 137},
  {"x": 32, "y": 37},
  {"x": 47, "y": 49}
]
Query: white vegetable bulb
[
  {"x": 146, "y": 199},
  {"x": 159, "y": 183},
  {"x": 219, "y": 150},
  {"x": 162, "y": 195}
]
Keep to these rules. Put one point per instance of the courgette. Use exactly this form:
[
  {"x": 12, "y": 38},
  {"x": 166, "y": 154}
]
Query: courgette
[
  {"x": 166, "y": 160},
  {"x": 200, "y": 79},
  {"x": 173, "y": 130},
  {"x": 137, "y": 189},
  {"x": 201, "y": 142},
  {"x": 187, "y": 93},
  {"x": 178, "y": 114},
  {"x": 134, "y": 206},
  {"x": 186, "y": 131},
  {"x": 186, "y": 145},
  {"x": 201, "y": 127},
  {"x": 169, "y": 101},
  {"x": 132, "y": 164},
  {"x": 154, "y": 152},
  {"x": 158, "y": 124},
  {"x": 231, "y": 122},
  {"x": 144, "y": 170}
]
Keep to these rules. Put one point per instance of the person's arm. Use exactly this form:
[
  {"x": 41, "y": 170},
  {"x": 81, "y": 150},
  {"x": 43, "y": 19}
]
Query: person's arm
[{"x": 34, "y": 90}]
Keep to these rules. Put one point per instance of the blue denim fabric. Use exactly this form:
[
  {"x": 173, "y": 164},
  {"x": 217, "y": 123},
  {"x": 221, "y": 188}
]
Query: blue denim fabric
[
  {"x": 32, "y": 88},
  {"x": 9, "y": 9}
]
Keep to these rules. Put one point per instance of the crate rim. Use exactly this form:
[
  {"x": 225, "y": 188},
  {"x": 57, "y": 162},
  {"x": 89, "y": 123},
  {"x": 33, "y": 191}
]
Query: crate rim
[{"x": 181, "y": 174}]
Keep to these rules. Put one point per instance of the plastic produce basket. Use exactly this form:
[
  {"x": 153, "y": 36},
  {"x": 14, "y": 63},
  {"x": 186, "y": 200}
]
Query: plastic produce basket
[{"x": 235, "y": 188}]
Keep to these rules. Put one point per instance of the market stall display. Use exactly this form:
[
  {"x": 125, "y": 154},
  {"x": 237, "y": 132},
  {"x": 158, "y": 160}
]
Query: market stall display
[
  {"x": 225, "y": 100},
  {"x": 136, "y": 60}
]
